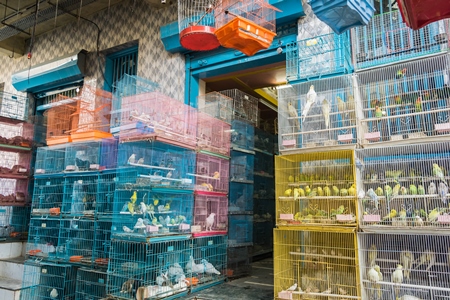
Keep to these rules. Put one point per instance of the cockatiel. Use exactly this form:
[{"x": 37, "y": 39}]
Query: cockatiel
[
  {"x": 310, "y": 100},
  {"x": 351, "y": 109},
  {"x": 342, "y": 106},
  {"x": 326, "y": 112},
  {"x": 293, "y": 114},
  {"x": 407, "y": 260},
  {"x": 210, "y": 221},
  {"x": 132, "y": 159},
  {"x": 374, "y": 275}
]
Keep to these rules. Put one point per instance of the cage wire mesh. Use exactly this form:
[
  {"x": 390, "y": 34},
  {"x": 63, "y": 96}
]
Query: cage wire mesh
[
  {"x": 43, "y": 236},
  {"x": 13, "y": 106},
  {"x": 14, "y": 222},
  {"x": 76, "y": 237},
  {"x": 319, "y": 113},
  {"x": 424, "y": 262},
  {"x": 310, "y": 263},
  {"x": 406, "y": 101},
  {"x": 210, "y": 214},
  {"x": 80, "y": 195},
  {"x": 48, "y": 193},
  {"x": 60, "y": 121},
  {"x": 212, "y": 173},
  {"x": 50, "y": 160},
  {"x": 316, "y": 189},
  {"x": 216, "y": 105},
  {"x": 213, "y": 135},
  {"x": 91, "y": 284},
  {"x": 405, "y": 186},
  {"x": 245, "y": 106},
  {"x": 239, "y": 261}
]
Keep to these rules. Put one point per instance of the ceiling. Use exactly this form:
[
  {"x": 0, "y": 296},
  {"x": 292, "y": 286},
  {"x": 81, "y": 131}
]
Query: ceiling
[{"x": 18, "y": 18}]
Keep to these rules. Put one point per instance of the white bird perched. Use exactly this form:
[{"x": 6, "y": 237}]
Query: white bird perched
[
  {"x": 427, "y": 257},
  {"x": 54, "y": 293},
  {"x": 192, "y": 267},
  {"x": 293, "y": 114},
  {"x": 408, "y": 297},
  {"x": 176, "y": 271},
  {"x": 443, "y": 191},
  {"x": 132, "y": 159},
  {"x": 375, "y": 276},
  {"x": 432, "y": 188},
  {"x": 140, "y": 161},
  {"x": 419, "y": 221},
  {"x": 209, "y": 268},
  {"x": 169, "y": 174},
  {"x": 292, "y": 287},
  {"x": 406, "y": 260},
  {"x": 397, "y": 277},
  {"x": 127, "y": 230},
  {"x": 162, "y": 279},
  {"x": 210, "y": 221},
  {"x": 326, "y": 112},
  {"x": 143, "y": 208},
  {"x": 139, "y": 223},
  {"x": 310, "y": 100}
]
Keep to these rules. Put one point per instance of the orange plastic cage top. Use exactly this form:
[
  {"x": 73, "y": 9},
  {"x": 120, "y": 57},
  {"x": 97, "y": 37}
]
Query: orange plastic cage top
[{"x": 247, "y": 26}]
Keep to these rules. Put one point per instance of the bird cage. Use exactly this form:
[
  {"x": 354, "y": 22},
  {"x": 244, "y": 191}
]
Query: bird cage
[
  {"x": 344, "y": 14},
  {"x": 47, "y": 195},
  {"x": 141, "y": 214},
  {"x": 157, "y": 164},
  {"x": 14, "y": 223},
  {"x": 43, "y": 238},
  {"x": 319, "y": 113},
  {"x": 241, "y": 167},
  {"x": 102, "y": 243},
  {"x": 247, "y": 26},
  {"x": 46, "y": 280},
  {"x": 213, "y": 135},
  {"x": 13, "y": 106},
  {"x": 50, "y": 159},
  {"x": 61, "y": 120},
  {"x": 405, "y": 186},
  {"x": 263, "y": 165},
  {"x": 216, "y": 105},
  {"x": 155, "y": 115},
  {"x": 263, "y": 222},
  {"x": 92, "y": 114},
  {"x": 386, "y": 39},
  {"x": 197, "y": 25},
  {"x": 14, "y": 164},
  {"x": 91, "y": 155},
  {"x": 263, "y": 141},
  {"x": 212, "y": 173},
  {"x": 242, "y": 136},
  {"x": 80, "y": 195},
  {"x": 314, "y": 262},
  {"x": 14, "y": 191},
  {"x": 417, "y": 15},
  {"x": 405, "y": 102},
  {"x": 157, "y": 268},
  {"x": 210, "y": 214},
  {"x": 212, "y": 252},
  {"x": 240, "y": 230},
  {"x": 128, "y": 85},
  {"x": 316, "y": 189},
  {"x": 105, "y": 200},
  {"x": 404, "y": 266},
  {"x": 91, "y": 284},
  {"x": 76, "y": 238},
  {"x": 245, "y": 106},
  {"x": 264, "y": 189},
  {"x": 239, "y": 261},
  {"x": 318, "y": 57},
  {"x": 240, "y": 198},
  {"x": 16, "y": 134}
]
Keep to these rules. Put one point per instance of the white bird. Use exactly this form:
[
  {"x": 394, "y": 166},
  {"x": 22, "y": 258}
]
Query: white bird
[
  {"x": 310, "y": 99},
  {"x": 169, "y": 174},
  {"x": 139, "y": 223},
  {"x": 132, "y": 159},
  {"x": 127, "y": 230},
  {"x": 406, "y": 260},
  {"x": 443, "y": 191},
  {"x": 54, "y": 293},
  {"x": 326, "y": 112},
  {"x": 432, "y": 188},
  {"x": 408, "y": 297},
  {"x": 293, "y": 114},
  {"x": 210, "y": 221},
  {"x": 162, "y": 279},
  {"x": 419, "y": 221},
  {"x": 397, "y": 278},
  {"x": 143, "y": 208},
  {"x": 427, "y": 257},
  {"x": 328, "y": 291},
  {"x": 192, "y": 267},
  {"x": 176, "y": 271},
  {"x": 140, "y": 161},
  {"x": 209, "y": 268},
  {"x": 292, "y": 287},
  {"x": 374, "y": 275}
]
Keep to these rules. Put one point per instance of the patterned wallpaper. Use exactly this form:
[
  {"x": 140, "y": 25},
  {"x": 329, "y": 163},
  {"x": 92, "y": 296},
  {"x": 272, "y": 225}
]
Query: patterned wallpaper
[
  {"x": 310, "y": 26},
  {"x": 125, "y": 22}
]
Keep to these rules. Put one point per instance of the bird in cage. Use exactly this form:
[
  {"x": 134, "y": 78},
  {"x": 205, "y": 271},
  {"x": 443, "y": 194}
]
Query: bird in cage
[
  {"x": 310, "y": 100},
  {"x": 372, "y": 255},
  {"x": 432, "y": 188},
  {"x": 397, "y": 278},
  {"x": 407, "y": 261},
  {"x": 443, "y": 191},
  {"x": 210, "y": 221},
  {"x": 326, "y": 112},
  {"x": 54, "y": 293},
  {"x": 437, "y": 172},
  {"x": 293, "y": 114},
  {"x": 428, "y": 257},
  {"x": 132, "y": 159}
]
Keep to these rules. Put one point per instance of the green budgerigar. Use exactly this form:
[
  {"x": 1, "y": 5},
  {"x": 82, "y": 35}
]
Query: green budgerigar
[
  {"x": 412, "y": 189},
  {"x": 379, "y": 191},
  {"x": 335, "y": 190},
  {"x": 327, "y": 191},
  {"x": 396, "y": 190},
  {"x": 387, "y": 190},
  {"x": 437, "y": 172},
  {"x": 420, "y": 190}
]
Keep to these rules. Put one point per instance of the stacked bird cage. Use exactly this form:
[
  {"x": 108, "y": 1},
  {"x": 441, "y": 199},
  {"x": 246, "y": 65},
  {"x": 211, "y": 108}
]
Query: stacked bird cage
[
  {"x": 248, "y": 26},
  {"x": 14, "y": 189},
  {"x": 91, "y": 284},
  {"x": 213, "y": 135},
  {"x": 155, "y": 115},
  {"x": 212, "y": 173},
  {"x": 216, "y": 105},
  {"x": 315, "y": 261},
  {"x": 318, "y": 57},
  {"x": 155, "y": 270},
  {"x": 406, "y": 102},
  {"x": 102, "y": 243},
  {"x": 404, "y": 266},
  {"x": 76, "y": 237},
  {"x": 104, "y": 202},
  {"x": 16, "y": 134},
  {"x": 91, "y": 155},
  {"x": 210, "y": 214},
  {"x": 43, "y": 236},
  {"x": 241, "y": 196},
  {"x": 50, "y": 160},
  {"x": 387, "y": 39},
  {"x": 60, "y": 121},
  {"x": 14, "y": 223},
  {"x": 405, "y": 187},
  {"x": 263, "y": 141},
  {"x": 242, "y": 135},
  {"x": 211, "y": 251},
  {"x": 13, "y": 106},
  {"x": 264, "y": 165},
  {"x": 318, "y": 113},
  {"x": 316, "y": 189},
  {"x": 245, "y": 106},
  {"x": 239, "y": 261},
  {"x": 240, "y": 232},
  {"x": 241, "y": 169},
  {"x": 80, "y": 195},
  {"x": 45, "y": 280},
  {"x": 48, "y": 193}
]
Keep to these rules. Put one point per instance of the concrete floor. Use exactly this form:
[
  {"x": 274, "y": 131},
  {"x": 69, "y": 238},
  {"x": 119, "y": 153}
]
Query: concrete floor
[{"x": 257, "y": 286}]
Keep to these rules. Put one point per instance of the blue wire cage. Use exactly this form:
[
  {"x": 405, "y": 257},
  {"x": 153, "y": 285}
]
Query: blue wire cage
[
  {"x": 48, "y": 193},
  {"x": 76, "y": 241},
  {"x": 102, "y": 243},
  {"x": 240, "y": 231},
  {"x": 50, "y": 160},
  {"x": 242, "y": 135},
  {"x": 91, "y": 284},
  {"x": 92, "y": 155},
  {"x": 241, "y": 167},
  {"x": 80, "y": 195},
  {"x": 240, "y": 197},
  {"x": 43, "y": 236},
  {"x": 105, "y": 193}
]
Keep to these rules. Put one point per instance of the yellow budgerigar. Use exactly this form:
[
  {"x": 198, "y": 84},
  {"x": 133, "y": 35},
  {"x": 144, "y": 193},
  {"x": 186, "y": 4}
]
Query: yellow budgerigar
[
  {"x": 131, "y": 207},
  {"x": 133, "y": 197}
]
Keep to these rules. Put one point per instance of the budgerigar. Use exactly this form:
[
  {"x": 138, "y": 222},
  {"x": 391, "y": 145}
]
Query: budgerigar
[
  {"x": 390, "y": 215},
  {"x": 443, "y": 191},
  {"x": 326, "y": 112},
  {"x": 133, "y": 197},
  {"x": 406, "y": 260},
  {"x": 433, "y": 215},
  {"x": 372, "y": 255},
  {"x": 413, "y": 189},
  {"x": 437, "y": 172},
  {"x": 420, "y": 190},
  {"x": 396, "y": 190},
  {"x": 373, "y": 196},
  {"x": 432, "y": 188},
  {"x": 310, "y": 100},
  {"x": 293, "y": 114},
  {"x": 418, "y": 221},
  {"x": 397, "y": 278},
  {"x": 428, "y": 257},
  {"x": 359, "y": 164}
]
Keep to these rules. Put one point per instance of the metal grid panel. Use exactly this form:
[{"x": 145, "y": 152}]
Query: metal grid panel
[
  {"x": 242, "y": 135},
  {"x": 212, "y": 173},
  {"x": 263, "y": 165},
  {"x": 88, "y": 156},
  {"x": 240, "y": 231},
  {"x": 405, "y": 186},
  {"x": 316, "y": 189},
  {"x": 60, "y": 120},
  {"x": 195, "y": 12},
  {"x": 239, "y": 261},
  {"x": 245, "y": 106},
  {"x": 14, "y": 191},
  {"x": 213, "y": 135},
  {"x": 102, "y": 243},
  {"x": 47, "y": 194},
  {"x": 14, "y": 222},
  {"x": 210, "y": 213},
  {"x": 315, "y": 262},
  {"x": 80, "y": 195},
  {"x": 242, "y": 166},
  {"x": 105, "y": 199},
  {"x": 91, "y": 284},
  {"x": 387, "y": 39},
  {"x": 216, "y": 105},
  {"x": 50, "y": 160},
  {"x": 43, "y": 238},
  {"x": 13, "y": 106},
  {"x": 424, "y": 265},
  {"x": 406, "y": 101},
  {"x": 264, "y": 141},
  {"x": 76, "y": 239},
  {"x": 241, "y": 197}
]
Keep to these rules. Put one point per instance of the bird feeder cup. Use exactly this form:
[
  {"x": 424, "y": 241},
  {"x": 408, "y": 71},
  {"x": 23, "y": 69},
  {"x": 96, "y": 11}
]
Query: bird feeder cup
[
  {"x": 197, "y": 25},
  {"x": 248, "y": 26},
  {"x": 341, "y": 15},
  {"x": 417, "y": 14}
]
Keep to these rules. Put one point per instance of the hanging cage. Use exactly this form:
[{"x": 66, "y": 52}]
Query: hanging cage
[{"x": 417, "y": 14}]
